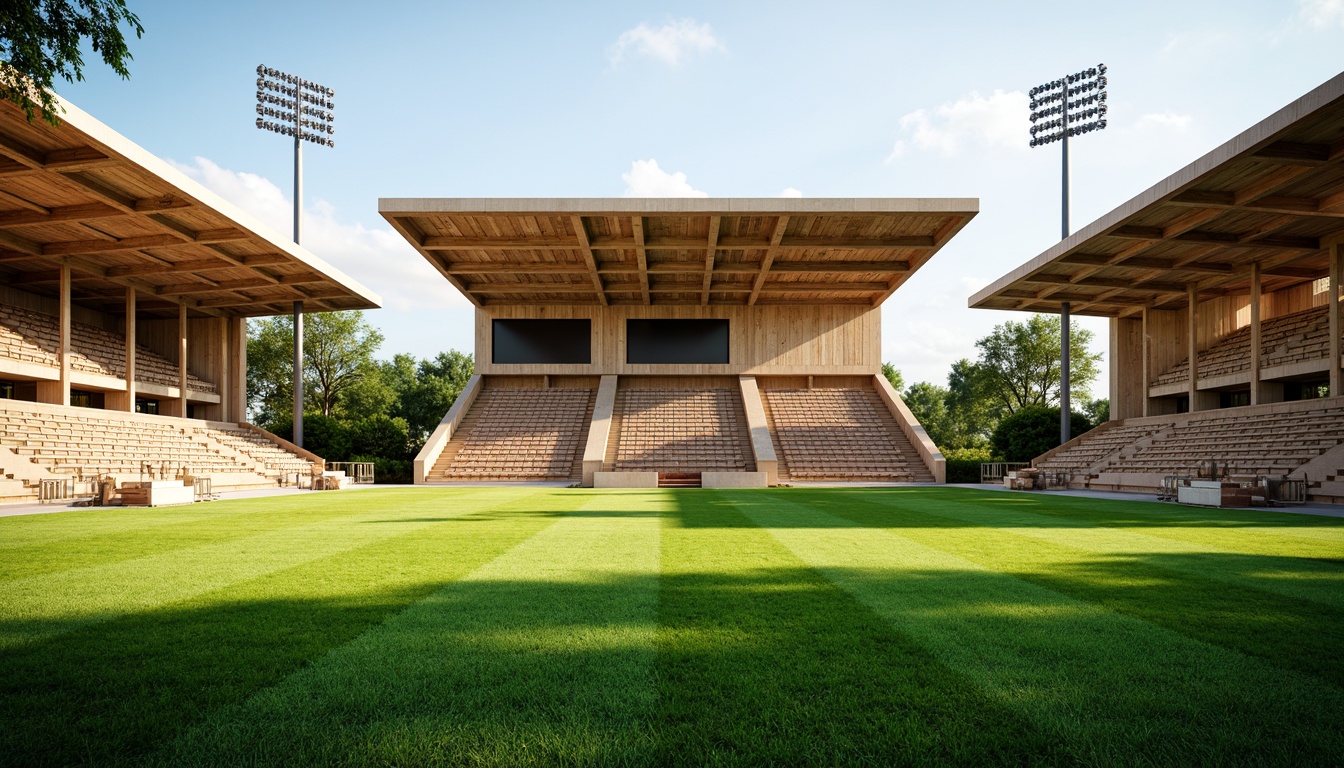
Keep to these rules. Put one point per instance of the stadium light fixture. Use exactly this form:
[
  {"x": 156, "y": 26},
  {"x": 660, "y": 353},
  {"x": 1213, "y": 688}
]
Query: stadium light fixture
[
  {"x": 306, "y": 111},
  {"x": 1070, "y": 106}
]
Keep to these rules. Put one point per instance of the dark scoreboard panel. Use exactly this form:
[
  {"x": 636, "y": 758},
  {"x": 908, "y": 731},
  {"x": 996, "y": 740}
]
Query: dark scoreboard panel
[
  {"x": 676, "y": 342},
  {"x": 544, "y": 342}
]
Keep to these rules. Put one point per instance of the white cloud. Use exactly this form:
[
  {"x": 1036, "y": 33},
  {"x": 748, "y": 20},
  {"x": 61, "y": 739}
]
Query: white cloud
[
  {"x": 790, "y": 192},
  {"x": 668, "y": 43},
  {"x": 646, "y": 179},
  {"x": 1162, "y": 121},
  {"x": 379, "y": 258},
  {"x": 1322, "y": 13},
  {"x": 997, "y": 121}
]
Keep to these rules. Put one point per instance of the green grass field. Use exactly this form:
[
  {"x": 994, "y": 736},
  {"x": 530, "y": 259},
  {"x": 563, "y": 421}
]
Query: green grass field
[{"x": 509, "y": 626}]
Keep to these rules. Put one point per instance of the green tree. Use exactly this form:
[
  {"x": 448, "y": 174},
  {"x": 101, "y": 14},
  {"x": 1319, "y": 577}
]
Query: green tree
[
  {"x": 893, "y": 374},
  {"x": 41, "y": 40},
  {"x": 338, "y": 350},
  {"x": 971, "y": 405},
  {"x": 928, "y": 404},
  {"x": 1021, "y": 367},
  {"x": 1031, "y": 431},
  {"x": 1098, "y": 411},
  {"x": 435, "y": 388}
]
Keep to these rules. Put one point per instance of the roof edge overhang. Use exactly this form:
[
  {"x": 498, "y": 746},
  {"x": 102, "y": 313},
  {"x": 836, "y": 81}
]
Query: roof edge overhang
[{"x": 1252, "y": 139}]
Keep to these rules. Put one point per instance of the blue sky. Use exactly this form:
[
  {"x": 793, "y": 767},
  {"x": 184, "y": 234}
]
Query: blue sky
[{"x": 831, "y": 99}]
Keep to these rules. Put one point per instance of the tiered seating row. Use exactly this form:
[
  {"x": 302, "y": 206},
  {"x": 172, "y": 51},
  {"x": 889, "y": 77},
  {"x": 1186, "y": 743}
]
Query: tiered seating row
[
  {"x": 523, "y": 434},
  {"x": 87, "y": 445},
  {"x": 1263, "y": 444},
  {"x": 1283, "y": 340},
  {"x": 275, "y": 459},
  {"x": 34, "y": 337},
  {"x": 840, "y": 434},
  {"x": 1091, "y": 450},
  {"x": 681, "y": 430}
]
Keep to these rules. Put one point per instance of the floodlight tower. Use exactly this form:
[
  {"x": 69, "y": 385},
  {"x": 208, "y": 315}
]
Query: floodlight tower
[
  {"x": 1070, "y": 106},
  {"x": 304, "y": 110}
]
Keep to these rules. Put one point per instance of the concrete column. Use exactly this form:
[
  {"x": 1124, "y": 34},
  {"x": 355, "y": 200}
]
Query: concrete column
[
  {"x": 1336, "y": 324},
  {"x": 1192, "y": 344},
  {"x": 130, "y": 350},
  {"x": 66, "y": 351},
  {"x": 1255, "y": 333}
]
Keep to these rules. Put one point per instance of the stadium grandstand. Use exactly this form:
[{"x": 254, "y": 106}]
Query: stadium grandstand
[
  {"x": 124, "y": 292},
  {"x": 1222, "y": 284},
  {"x": 678, "y": 342}
]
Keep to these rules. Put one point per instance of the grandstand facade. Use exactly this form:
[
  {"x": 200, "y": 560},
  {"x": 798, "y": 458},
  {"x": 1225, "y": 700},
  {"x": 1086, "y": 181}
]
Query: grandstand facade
[
  {"x": 1222, "y": 284},
  {"x": 643, "y": 342},
  {"x": 124, "y": 292}
]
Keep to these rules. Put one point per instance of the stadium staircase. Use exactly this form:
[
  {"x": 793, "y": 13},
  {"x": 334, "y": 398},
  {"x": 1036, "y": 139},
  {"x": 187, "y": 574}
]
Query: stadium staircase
[
  {"x": 523, "y": 434},
  {"x": 839, "y": 434},
  {"x": 1298, "y": 439},
  {"x": 39, "y": 440}
]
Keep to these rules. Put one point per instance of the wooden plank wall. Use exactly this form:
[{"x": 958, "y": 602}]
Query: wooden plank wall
[
  {"x": 835, "y": 339},
  {"x": 1127, "y": 388}
]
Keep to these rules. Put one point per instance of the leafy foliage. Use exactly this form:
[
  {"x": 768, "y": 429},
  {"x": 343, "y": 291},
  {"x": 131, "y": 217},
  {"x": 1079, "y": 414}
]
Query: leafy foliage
[
  {"x": 41, "y": 40},
  {"x": 893, "y": 374},
  {"x": 1032, "y": 431},
  {"x": 1019, "y": 364}
]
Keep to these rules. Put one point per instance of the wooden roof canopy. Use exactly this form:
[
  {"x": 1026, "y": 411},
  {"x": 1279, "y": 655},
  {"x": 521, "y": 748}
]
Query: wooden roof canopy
[
  {"x": 82, "y": 194},
  {"x": 686, "y": 251},
  {"x": 1272, "y": 195}
]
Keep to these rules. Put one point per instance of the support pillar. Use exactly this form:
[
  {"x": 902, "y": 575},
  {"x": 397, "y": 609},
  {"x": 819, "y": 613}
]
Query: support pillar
[
  {"x": 298, "y": 368},
  {"x": 1255, "y": 333},
  {"x": 66, "y": 351},
  {"x": 1064, "y": 408},
  {"x": 1336, "y": 323},
  {"x": 130, "y": 350},
  {"x": 1147, "y": 361},
  {"x": 1192, "y": 344}
]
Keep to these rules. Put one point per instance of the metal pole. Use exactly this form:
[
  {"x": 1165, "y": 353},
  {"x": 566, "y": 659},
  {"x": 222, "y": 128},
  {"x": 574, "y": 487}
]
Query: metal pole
[
  {"x": 298, "y": 305},
  {"x": 1064, "y": 410},
  {"x": 298, "y": 373}
]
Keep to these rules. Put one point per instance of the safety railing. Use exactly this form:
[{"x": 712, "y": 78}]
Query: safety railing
[{"x": 993, "y": 472}]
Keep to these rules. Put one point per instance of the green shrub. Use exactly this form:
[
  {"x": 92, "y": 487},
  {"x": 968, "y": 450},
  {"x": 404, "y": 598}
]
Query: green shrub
[
  {"x": 963, "y": 470},
  {"x": 389, "y": 471},
  {"x": 326, "y": 436},
  {"x": 1032, "y": 431},
  {"x": 381, "y": 436}
]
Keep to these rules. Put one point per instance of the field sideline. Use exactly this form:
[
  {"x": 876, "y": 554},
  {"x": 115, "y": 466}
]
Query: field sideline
[{"x": 516, "y": 626}]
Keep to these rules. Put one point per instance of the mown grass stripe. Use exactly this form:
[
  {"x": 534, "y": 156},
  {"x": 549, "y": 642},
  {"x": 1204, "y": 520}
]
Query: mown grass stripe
[
  {"x": 1238, "y": 530},
  {"x": 543, "y": 656},
  {"x": 40, "y": 607},
  {"x": 120, "y": 535},
  {"x": 763, "y": 661},
  {"x": 1164, "y": 589},
  {"x": 1113, "y": 689},
  {"x": 109, "y": 694},
  {"x": 1280, "y": 570}
]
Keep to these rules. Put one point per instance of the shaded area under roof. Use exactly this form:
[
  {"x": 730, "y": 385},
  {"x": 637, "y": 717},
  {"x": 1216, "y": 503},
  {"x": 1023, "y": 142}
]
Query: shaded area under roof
[
  {"x": 1274, "y": 195},
  {"x": 82, "y": 194},
  {"x": 677, "y": 251}
]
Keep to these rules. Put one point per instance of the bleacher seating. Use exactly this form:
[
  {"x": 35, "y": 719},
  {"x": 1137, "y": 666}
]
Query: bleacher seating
[
  {"x": 519, "y": 434},
  {"x": 1259, "y": 444},
  {"x": 1287, "y": 339},
  {"x": 34, "y": 337},
  {"x": 680, "y": 430},
  {"x": 1092, "y": 449},
  {"x": 839, "y": 434},
  {"x": 86, "y": 443}
]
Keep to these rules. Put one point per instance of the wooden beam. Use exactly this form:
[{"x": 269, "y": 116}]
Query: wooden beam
[
  {"x": 83, "y": 212},
  {"x": 641, "y": 256},
  {"x": 726, "y": 242},
  {"x": 498, "y": 288},
  {"x": 776, "y": 238},
  {"x": 1295, "y": 152},
  {"x": 837, "y": 267},
  {"x": 548, "y": 268},
  {"x": 1336, "y": 320},
  {"x": 190, "y": 265},
  {"x": 871, "y": 287},
  {"x": 81, "y": 247},
  {"x": 711, "y": 247},
  {"x": 581, "y": 230},
  {"x": 182, "y": 289},
  {"x": 66, "y": 349}
]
